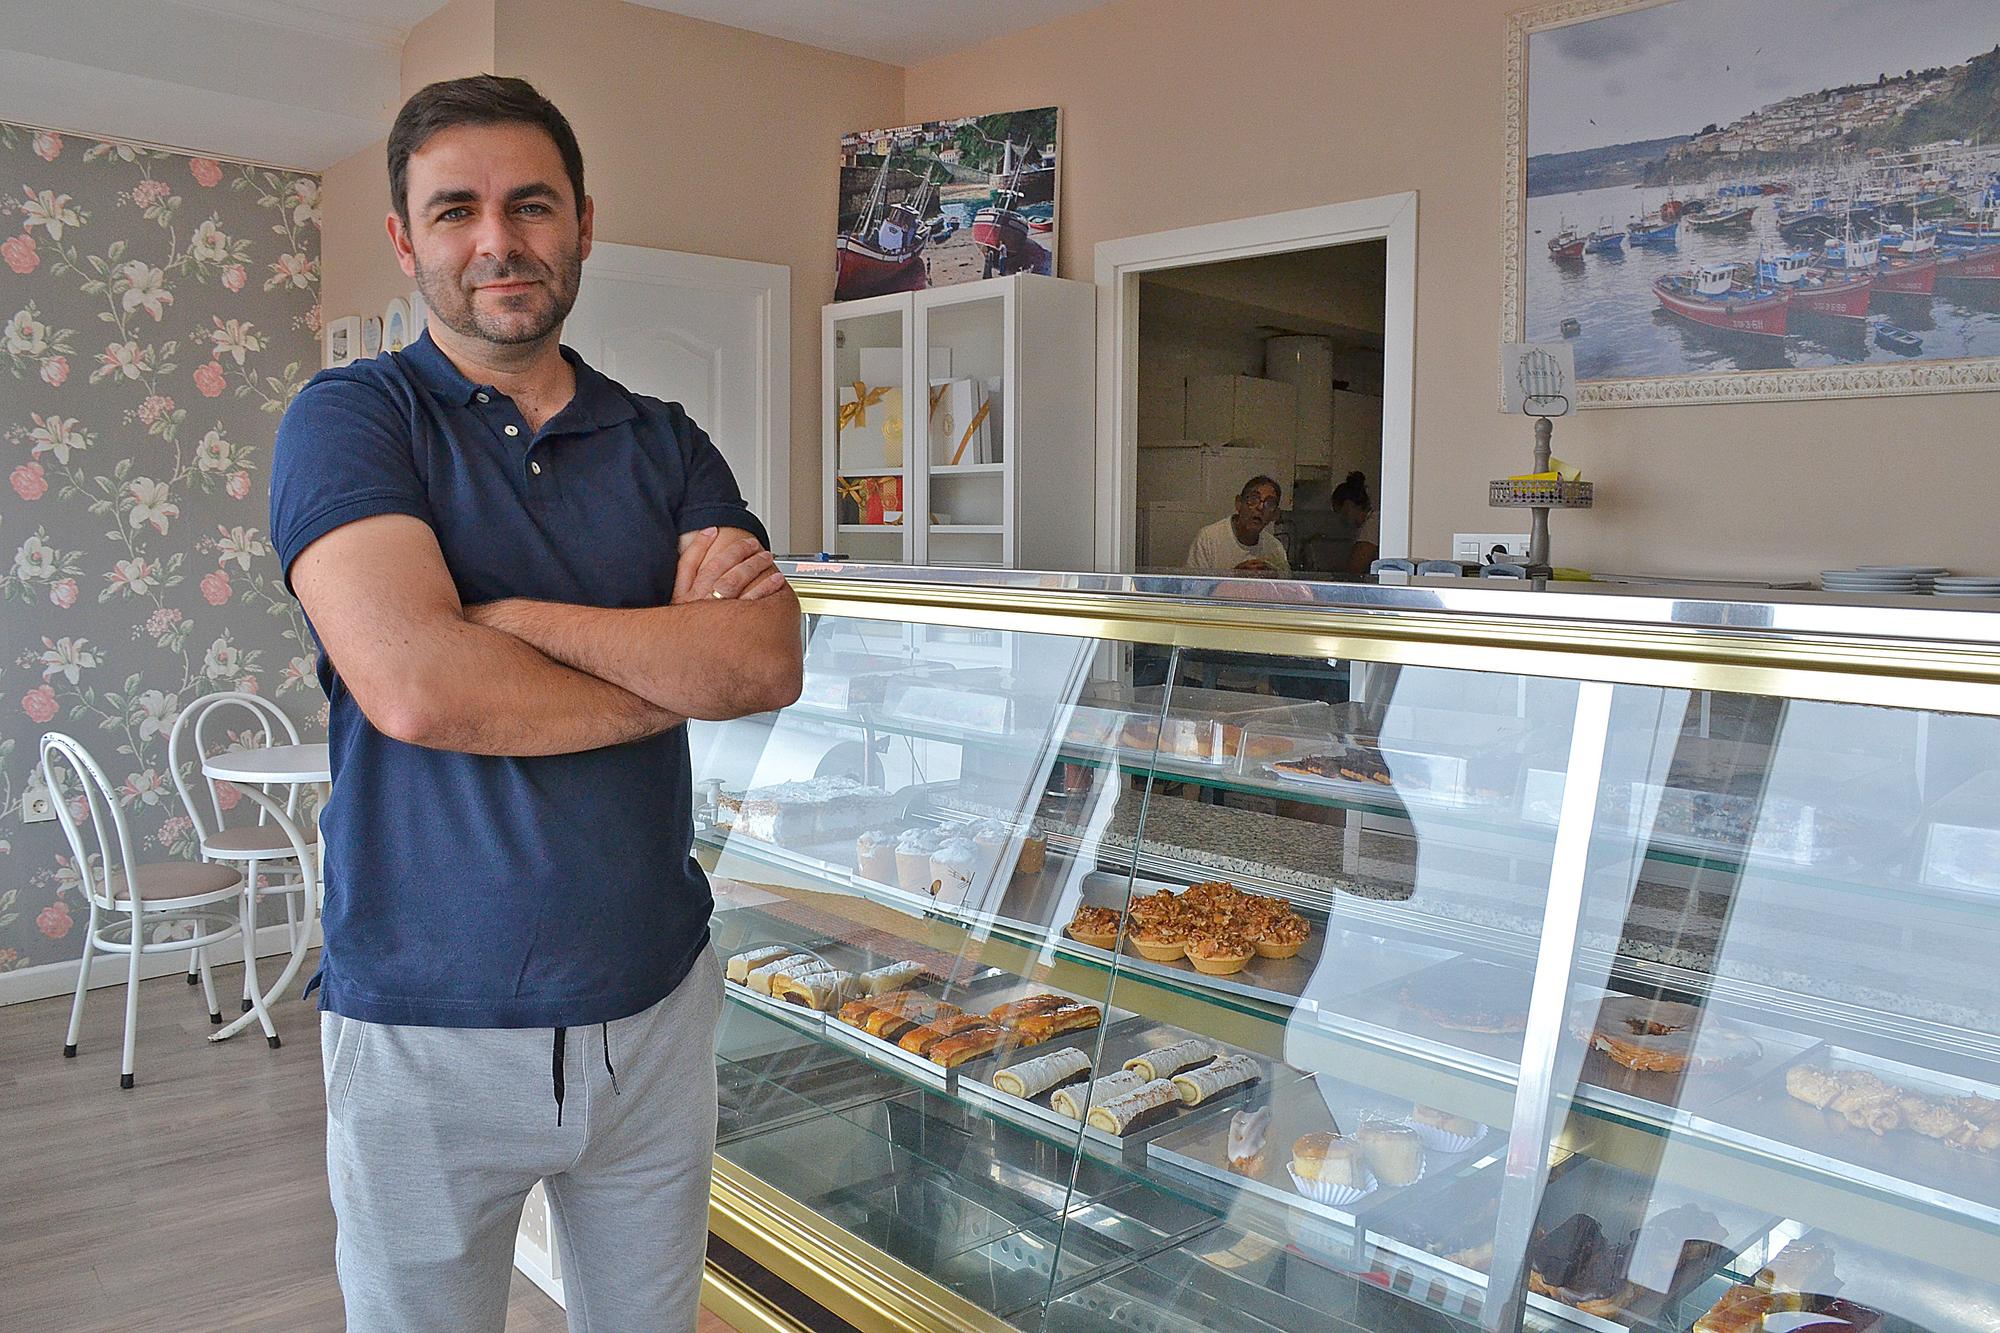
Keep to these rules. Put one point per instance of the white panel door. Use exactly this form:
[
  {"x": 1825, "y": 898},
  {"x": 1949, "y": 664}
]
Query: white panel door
[{"x": 710, "y": 334}]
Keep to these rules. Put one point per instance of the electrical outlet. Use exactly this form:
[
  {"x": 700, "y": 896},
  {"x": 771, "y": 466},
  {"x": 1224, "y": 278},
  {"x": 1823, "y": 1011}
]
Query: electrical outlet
[
  {"x": 36, "y": 807},
  {"x": 1475, "y": 546}
]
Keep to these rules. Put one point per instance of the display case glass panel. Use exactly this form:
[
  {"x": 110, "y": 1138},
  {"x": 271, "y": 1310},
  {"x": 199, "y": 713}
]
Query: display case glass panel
[{"x": 1775, "y": 1073}]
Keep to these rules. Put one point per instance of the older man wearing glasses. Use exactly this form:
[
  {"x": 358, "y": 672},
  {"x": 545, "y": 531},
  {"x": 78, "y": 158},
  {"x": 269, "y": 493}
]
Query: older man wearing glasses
[{"x": 1243, "y": 543}]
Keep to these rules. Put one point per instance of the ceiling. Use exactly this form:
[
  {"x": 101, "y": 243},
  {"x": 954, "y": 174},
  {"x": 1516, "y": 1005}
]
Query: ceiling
[
  {"x": 896, "y": 32},
  {"x": 286, "y": 82},
  {"x": 305, "y": 83}
]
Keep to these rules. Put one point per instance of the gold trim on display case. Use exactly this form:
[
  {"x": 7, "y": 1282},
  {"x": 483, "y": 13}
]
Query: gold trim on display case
[
  {"x": 1950, "y": 677},
  {"x": 736, "y": 1305},
  {"x": 846, "y": 1275}
]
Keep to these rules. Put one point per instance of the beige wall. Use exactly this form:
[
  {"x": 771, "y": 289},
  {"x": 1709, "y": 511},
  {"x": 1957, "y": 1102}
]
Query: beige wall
[
  {"x": 1176, "y": 112},
  {"x": 358, "y": 274},
  {"x": 713, "y": 140},
  {"x": 695, "y": 136}
]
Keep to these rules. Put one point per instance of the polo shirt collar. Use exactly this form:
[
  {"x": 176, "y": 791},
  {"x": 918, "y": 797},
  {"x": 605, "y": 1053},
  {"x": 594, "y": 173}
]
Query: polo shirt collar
[{"x": 598, "y": 402}]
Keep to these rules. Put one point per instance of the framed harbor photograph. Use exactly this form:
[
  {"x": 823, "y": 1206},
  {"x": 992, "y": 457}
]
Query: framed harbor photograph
[
  {"x": 1709, "y": 209},
  {"x": 947, "y": 201}
]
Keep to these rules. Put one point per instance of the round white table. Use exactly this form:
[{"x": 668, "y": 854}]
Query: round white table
[
  {"x": 273, "y": 763},
  {"x": 250, "y": 769}
]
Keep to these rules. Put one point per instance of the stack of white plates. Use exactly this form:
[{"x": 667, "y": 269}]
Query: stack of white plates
[
  {"x": 1969, "y": 585},
  {"x": 1869, "y": 581},
  {"x": 1925, "y": 575}
]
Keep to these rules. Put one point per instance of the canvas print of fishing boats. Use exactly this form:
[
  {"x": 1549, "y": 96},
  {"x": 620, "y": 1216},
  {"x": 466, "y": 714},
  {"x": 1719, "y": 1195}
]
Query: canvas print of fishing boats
[
  {"x": 947, "y": 201},
  {"x": 1700, "y": 196}
]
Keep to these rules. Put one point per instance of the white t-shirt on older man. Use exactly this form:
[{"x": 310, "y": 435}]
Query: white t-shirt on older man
[{"x": 1216, "y": 550}]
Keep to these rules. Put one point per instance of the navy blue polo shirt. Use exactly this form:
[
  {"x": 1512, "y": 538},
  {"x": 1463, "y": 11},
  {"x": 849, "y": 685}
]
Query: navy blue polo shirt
[{"x": 467, "y": 890}]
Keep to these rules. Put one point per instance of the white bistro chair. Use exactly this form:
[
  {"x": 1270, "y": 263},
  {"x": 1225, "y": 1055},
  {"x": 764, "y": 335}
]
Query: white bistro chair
[
  {"x": 128, "y": 900},
  {"x": 202, "y": 729}
]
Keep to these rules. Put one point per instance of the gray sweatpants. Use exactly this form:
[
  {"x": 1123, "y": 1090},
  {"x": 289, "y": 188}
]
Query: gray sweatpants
[{"x": 434, "y": 1136}]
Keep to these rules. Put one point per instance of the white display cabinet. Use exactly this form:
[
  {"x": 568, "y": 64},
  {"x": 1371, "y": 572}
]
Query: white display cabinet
[{"x": 993, "y": 461}]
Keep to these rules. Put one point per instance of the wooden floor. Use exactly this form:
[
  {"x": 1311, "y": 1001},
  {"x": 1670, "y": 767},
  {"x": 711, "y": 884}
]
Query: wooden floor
[{"x": 195, "y": 1200}]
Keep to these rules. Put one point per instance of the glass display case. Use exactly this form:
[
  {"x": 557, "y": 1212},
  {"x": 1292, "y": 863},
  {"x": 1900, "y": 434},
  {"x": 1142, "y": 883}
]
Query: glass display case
[{"x": 1130, "y": 953}]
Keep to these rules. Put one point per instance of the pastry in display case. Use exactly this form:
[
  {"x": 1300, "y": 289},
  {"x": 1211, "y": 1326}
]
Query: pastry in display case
[{"x": 1312, "y": 996}]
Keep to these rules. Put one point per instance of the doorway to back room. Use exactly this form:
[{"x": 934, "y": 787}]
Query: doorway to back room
[{"x": 1259, "y": 413}]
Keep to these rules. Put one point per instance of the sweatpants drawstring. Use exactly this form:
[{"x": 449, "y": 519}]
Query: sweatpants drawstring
[
  {"x": 556, "y": 1066},
  {"x": 556, "y": 1073}
]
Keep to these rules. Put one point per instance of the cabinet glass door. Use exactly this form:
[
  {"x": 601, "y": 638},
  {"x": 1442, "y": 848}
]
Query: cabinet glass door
[
  {"x": 963, "y": 440},
  {"x": 873, "y": 479}
]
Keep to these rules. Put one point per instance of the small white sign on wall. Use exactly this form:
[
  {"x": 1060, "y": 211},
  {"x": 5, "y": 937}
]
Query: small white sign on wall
[{"x": 1540, "y": 378}]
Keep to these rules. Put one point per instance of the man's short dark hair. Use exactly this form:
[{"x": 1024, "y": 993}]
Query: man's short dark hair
[
  {"x": 1250, "y": 487},
  {"x": 481, "y": 99}
]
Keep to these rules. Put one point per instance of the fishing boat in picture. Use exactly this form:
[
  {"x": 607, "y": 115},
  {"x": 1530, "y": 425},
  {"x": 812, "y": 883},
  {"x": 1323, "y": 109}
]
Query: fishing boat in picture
[
  {"x": 1911, "y": 242},
  {"x": 1723, "y": 296},
  {"x": 1655, "y": 232},
  {"x": 1603, "y": 241},
  {"x": 885, "y": 251},
  {"x": 1821, "y": 218},
  {"x": 1724, "y": 218},
  {"x": 1567, "y": 244},
  {"x": 1894, "y": 275},
  {"x": 1974, "y": 263},
  {"x": 1897, "y": 339},
  {"x": 1980, "y": 229},
  {"x": 1906, "y": 277},
  {"x": 1832, "y": 293},
  {"x": 1000, "y": 230}
]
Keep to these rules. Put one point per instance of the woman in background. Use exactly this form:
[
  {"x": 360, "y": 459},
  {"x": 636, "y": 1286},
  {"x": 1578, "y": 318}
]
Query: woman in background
[{"x": 1347, "y": 541}]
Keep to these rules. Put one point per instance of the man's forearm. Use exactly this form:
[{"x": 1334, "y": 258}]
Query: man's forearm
[
  {"x": 712, "y": 660},
  {"x": 487, "y": 692}
]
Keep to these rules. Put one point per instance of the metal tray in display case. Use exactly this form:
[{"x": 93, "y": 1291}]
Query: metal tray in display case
[
  {"x": 1389, "y": 1016},
  {"x": 1333, "y": 962},
  {"x": 1916, "y": 1295},
  {"x": 1385, "y": 1016},
  {"x": 1650, "y": 1092},
  {"x": 997, "y": 989},
  {"x": 1459, "y": 1220},
  {"x": 1767, "y": 1120},
  {"x": 786, "y": 1087},
  {"x": 1123, "y": 1039},
  {"x": 1313, "y": 1104}
]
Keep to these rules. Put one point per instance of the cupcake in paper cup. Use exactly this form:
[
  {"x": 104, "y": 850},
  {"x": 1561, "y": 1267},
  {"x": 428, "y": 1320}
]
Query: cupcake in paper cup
[
  {"x": 1319, "y": 1191},
  {"x": 1329, "y": 1169},
  {"x": 1444, "y": 1132}
]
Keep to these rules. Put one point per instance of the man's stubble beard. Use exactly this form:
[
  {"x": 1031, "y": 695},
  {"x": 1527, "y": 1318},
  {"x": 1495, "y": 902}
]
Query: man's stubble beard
[{"x": 452, "y": 304}]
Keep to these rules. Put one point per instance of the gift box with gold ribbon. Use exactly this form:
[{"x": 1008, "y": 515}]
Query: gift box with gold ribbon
[
  {"x": 870, "y": 423},
  {"x": 960, "y": 423},
  {"x": 869, "y": 500}
]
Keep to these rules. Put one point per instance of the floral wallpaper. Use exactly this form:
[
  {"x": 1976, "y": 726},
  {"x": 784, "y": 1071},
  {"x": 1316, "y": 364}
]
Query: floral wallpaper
[{"x": 160, "y": 312}]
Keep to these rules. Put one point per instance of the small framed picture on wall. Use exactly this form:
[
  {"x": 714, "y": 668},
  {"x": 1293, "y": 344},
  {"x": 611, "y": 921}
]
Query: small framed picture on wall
[
  {"x": 396, "y": 326},
  {"x": 343, "y": 340},
  {"x": 371, "y": 335},
  {"x": 419, "y": 312}
]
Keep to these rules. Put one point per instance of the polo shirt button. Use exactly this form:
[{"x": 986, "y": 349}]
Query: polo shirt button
[
  {"x": 513, "y": 430},
  {"x": 483, "y": 397},
  {"x": 535, "y": 468}
]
